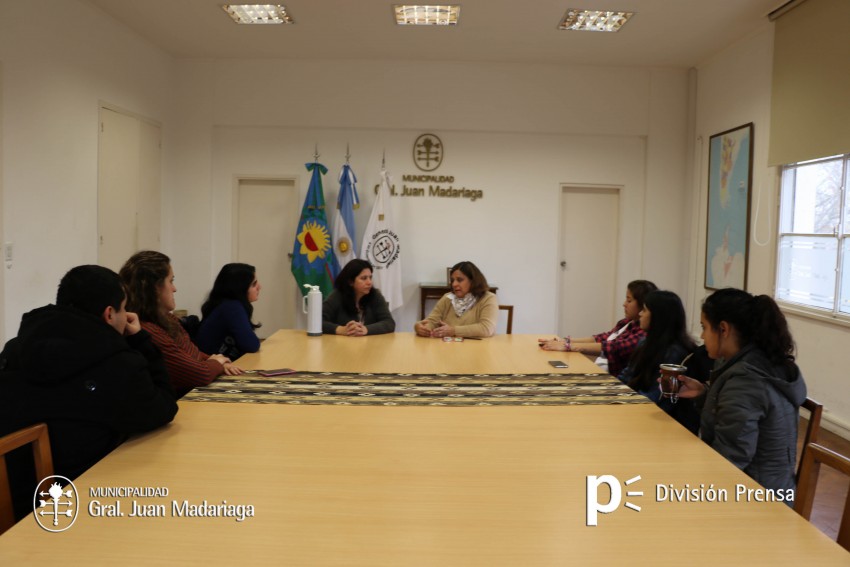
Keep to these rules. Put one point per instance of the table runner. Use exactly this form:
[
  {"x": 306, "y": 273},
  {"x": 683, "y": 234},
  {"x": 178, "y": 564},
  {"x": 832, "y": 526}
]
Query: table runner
[{"x": 335, "y": 388}]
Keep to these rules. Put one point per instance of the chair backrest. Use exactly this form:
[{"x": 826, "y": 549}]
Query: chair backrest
[
  {"x": 510, "y": 310},
  {"x": 812, "y": 430},
  {"x": 814, "y": 456},
  {"x": 37, "y": 435}
]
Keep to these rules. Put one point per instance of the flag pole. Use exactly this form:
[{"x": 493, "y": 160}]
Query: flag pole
[{"x": 347, "y": 154}]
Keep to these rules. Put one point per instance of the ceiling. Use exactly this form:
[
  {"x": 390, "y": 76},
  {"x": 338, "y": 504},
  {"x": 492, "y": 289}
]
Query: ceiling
[{"x": 662, "y": 33}]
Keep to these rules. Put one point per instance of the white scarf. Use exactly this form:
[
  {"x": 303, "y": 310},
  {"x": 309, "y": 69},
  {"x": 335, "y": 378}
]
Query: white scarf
[{"x": 462, "y": 304}]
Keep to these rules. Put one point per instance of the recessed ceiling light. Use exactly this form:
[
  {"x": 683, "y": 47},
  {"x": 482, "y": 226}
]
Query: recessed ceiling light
[
  {"x": 426, "y": 15},
  {"x": 258, "y": 13},
  {"x": 594, "y": 20}
]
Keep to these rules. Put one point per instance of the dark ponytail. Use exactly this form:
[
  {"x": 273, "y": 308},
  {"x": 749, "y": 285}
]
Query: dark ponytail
[
  {"x": 771, "y": 332},
  {"x": 757, "y": 319}
]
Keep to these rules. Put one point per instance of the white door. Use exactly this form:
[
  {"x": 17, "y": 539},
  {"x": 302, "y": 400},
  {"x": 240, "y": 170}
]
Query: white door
[
  {"x": 266, "y": 219},
  {"x": 589, "y": 300},
  {"x": 128, "y": 187},
  {"x": 148, "y": 207}
]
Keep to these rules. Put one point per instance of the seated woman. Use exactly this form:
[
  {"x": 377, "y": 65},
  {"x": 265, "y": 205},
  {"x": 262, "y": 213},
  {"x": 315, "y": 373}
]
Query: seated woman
[
  {"x": 614, "y": 348},
  {"x": 226, "y": 327},
  {"x": 750, "y": 407},
  {"x": 149, "y": 280},
  {"x": 667, "y": 342},
  {"x": 469, "y": 310},
  {"x": 355, "y": 308}
]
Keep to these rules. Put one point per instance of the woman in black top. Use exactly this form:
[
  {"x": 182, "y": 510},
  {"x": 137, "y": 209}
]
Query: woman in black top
[{"x": 355, "y": 308}]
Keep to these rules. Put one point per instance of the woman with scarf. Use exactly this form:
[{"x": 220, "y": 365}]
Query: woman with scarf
[{"x": 470, "y": 310}]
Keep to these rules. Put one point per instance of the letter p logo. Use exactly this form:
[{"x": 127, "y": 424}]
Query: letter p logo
[{"x": 593, "y": 505}]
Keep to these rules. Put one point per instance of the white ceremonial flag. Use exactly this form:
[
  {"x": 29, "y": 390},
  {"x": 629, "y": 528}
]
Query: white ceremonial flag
[{"x": 382, "y": 247}]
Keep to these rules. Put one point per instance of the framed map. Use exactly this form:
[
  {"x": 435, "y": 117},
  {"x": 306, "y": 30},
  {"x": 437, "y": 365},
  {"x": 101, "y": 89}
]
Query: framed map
[{"x": 730, "y": 179}]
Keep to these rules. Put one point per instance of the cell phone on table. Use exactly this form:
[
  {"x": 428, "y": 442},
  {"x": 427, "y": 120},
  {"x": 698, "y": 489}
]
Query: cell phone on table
[
  {"x": 276, "y": 372},
  {"x": 558, "y": 364}
]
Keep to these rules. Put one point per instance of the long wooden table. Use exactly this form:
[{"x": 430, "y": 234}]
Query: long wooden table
[
  {"x": 370, "y": 486},
  {"x": 407, "y": 353}
]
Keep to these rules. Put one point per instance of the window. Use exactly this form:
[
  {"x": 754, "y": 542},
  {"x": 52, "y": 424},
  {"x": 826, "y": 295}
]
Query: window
[{"x": 814, "y": 236}]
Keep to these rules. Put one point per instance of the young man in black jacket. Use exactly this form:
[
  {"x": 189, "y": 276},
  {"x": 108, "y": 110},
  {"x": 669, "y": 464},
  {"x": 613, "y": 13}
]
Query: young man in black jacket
[{"x": 86, "y": 368}]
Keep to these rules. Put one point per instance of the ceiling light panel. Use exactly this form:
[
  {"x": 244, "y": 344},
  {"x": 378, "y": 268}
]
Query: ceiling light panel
[
  {"x": 444, "y": 15},
  {"x": 258, "y": 13},
  {"x": 594, "y": 20}
]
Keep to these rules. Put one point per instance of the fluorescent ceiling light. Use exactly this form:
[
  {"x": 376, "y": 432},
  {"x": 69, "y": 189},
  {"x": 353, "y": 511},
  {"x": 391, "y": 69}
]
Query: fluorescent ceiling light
[
  {"x": 426, "y": 15},
  {"x": 594, "y": 20},
  {"x": 258, "y": 13}
]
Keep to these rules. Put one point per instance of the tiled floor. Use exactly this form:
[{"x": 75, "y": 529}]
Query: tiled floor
[{"x": 831, "y": 493}]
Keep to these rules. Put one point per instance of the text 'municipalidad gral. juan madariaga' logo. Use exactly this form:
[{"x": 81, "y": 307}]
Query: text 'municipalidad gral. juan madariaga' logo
[
  {"x": 613, "y": 483},
  {"x": 55, "y": 503}
]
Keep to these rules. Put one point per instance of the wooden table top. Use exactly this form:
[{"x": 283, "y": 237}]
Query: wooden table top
[
  {"x": 342, "y": 485},
  {"x": 407, "y": 353}
]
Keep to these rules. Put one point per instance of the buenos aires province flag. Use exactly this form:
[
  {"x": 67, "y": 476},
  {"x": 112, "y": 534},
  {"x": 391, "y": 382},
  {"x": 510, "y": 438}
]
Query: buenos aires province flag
[{"x": 313, "y": 260}]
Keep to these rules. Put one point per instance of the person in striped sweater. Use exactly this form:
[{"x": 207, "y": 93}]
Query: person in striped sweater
[{"x": 149, "y": 280}]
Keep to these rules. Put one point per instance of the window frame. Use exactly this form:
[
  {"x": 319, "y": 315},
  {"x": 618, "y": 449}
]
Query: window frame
[{"x": 841, "y": 236}]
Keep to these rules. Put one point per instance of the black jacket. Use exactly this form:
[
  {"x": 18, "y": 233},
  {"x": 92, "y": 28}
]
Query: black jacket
[
  {"x": 92, "y": 386},
  {"x": 750, "y": 416}
]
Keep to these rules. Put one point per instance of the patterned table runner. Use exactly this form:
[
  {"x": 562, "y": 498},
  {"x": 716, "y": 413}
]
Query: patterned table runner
[{"x": 333, "y": 388}]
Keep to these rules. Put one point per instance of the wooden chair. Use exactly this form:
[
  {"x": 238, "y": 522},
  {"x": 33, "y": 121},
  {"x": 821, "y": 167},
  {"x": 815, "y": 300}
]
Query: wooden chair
[
  {"x": 510, "y": 310},
  {"x": 37, "y": 435},
  {"x": 815, "y": 412},
  {"x": 814, "y": 456}
]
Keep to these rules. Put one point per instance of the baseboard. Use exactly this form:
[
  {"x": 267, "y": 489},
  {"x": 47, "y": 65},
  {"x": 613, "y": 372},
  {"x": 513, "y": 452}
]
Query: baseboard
[
  {"x": 830, "y": 423},
  {"x": 835, "y": 425}
]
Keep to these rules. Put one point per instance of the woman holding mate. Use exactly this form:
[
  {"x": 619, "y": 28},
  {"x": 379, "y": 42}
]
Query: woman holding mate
[{"x": 750, "y": 407}]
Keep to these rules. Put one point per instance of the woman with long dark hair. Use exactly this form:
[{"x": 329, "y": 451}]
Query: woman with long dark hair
[
  {"x": 149, "y": 280},
  {"x": 614, "y": 348},
  {"x": 355, "y": 308},
  {"x": 750, "y": 407},
  {"x": 469, "y": 310},
  {"x": 226, "y": 325},
  {"x": 667, "y": 342}
]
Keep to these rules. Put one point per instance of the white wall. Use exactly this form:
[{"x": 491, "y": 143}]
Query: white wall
[
  {"x": 734, "y": 89},
  {"x": 60, "y": 59},
  {"x": 515, "y": 131},
  {"x": 511, "y": 233}
]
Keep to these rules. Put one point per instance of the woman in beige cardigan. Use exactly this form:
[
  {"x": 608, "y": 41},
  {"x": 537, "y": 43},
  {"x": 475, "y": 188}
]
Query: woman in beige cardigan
[{"x": 469, "y": 310}]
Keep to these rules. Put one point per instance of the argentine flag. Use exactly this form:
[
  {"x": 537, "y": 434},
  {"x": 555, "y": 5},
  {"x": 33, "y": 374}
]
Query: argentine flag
[{"x": 345, "y": 247}]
